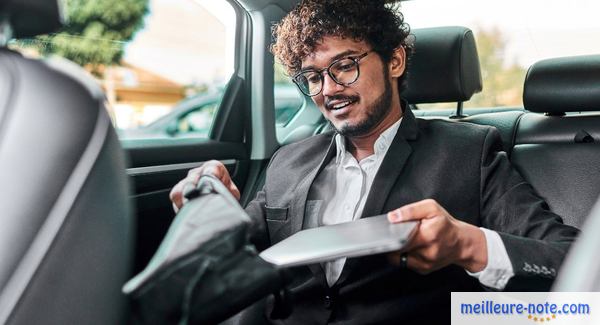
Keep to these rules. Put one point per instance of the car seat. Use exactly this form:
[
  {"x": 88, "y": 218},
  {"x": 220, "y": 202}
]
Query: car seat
[{"x": 66, "y": 232}]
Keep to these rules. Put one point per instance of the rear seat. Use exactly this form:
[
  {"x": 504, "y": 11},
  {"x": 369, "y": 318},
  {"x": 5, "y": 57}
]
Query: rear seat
[
  {"x": 445, "y": 69},
  {"x": 505, "y": 122},
  {"x": 558, "y": 153}
]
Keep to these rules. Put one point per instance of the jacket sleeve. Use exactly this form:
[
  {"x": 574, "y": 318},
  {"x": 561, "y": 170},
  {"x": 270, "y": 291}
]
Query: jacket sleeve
[
  {"x": 536, "y": 239},
  {"x": 258, "y": 228}
]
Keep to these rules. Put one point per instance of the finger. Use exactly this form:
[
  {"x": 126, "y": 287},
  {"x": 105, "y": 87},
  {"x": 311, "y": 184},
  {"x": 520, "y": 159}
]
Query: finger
[
  {"x": 413, "y": 262},
  {"x": 176, "y": 194},
  {"x": 206, "y": 168},
  {"x": 188, "y": 187},
  {"x": 212, "y": 170},
  {"x": 222, "y": 174},
  {"x": 417, "y": 241},
  {"x": 395, "y": 258},
  {"x": 235, "y": 191},
  {"x": 416, "y": 211},
  {"x": 219, "y": 171},
  {"x": 419, "y": 265},
  {"x": 425, "y": 235},
  {"x": 195, "y": 172}
]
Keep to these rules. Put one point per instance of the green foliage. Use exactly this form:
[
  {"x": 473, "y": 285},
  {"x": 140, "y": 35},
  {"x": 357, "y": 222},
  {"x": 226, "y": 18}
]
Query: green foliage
[
  {"x": 280, "y": 76},
  {"x": 96, "y": 31},
  {"x": 502, "y": 79}
]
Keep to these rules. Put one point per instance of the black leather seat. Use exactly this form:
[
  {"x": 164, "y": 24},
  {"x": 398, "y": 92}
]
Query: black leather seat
[
  {"x": 558, "y": 153},
  {"x": 445, "y": 69},
  {"x": 581, "y": 269},
  {"x": 66, "y": 232},
  {"x": 445, "y": 66}
]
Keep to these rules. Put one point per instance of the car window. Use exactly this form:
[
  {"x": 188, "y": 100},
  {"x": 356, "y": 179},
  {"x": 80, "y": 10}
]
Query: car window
[
  {"x": 151, "y": 57},
  {"x": 196, "y": 122},
  {"x": 287, "y": 98},
  {"x": 510, "y": 39}
]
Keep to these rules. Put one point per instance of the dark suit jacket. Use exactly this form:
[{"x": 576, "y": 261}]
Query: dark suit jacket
[{"x": 460, "y": 165}]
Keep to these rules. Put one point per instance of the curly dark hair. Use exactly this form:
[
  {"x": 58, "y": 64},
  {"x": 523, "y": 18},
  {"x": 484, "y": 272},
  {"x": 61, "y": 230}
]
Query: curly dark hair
[{"x": 379, "y": 24}]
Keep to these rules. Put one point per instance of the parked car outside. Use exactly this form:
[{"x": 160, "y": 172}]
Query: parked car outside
[{"x": 193, "y": 117}]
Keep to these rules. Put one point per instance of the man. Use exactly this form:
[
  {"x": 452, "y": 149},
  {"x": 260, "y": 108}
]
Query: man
[{"x": 480, "y": 223}]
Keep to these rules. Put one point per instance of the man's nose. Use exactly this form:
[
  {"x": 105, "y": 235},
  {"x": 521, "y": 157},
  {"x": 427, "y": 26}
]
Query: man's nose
[{"x": 330, "y": 87}]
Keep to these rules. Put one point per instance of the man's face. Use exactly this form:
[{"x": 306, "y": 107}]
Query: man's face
[{"x": 358, "y": 108}]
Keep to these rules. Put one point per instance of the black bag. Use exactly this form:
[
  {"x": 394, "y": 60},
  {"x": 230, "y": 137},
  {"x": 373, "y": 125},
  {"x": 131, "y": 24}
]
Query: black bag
[{"x": 205, "y": 270}]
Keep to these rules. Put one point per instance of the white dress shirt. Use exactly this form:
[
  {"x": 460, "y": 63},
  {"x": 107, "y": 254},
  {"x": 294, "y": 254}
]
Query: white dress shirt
[{"x": 340, "y": 191}]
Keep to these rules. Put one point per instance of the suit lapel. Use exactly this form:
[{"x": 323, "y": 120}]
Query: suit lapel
[
  {"x": 387, "y": 175},
  {"x": 301, "y": 191},
  {"x": 391, "y": 166},
  {"x": 299, "y": 203}
]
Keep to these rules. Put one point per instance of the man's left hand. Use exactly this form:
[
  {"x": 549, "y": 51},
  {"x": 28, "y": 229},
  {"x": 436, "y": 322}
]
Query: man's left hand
[{"x": 440, "y": 240}]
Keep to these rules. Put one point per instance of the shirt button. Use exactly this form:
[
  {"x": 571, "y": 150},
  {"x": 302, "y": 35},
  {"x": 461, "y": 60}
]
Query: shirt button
[{"x": 327, "y": 302}]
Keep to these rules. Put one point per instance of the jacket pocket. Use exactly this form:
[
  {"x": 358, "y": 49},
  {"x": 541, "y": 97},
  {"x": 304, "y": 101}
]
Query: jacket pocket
[{"x": 276, "y": 213}]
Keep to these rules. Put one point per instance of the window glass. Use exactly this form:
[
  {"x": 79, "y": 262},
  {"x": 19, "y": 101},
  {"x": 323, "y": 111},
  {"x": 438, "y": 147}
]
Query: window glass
[
  {"x": 197, "y": 121},
  {"x": 511, "y": 35},
  {"x": 287, "y": 98},
  {"x": 163, "y": 64}
]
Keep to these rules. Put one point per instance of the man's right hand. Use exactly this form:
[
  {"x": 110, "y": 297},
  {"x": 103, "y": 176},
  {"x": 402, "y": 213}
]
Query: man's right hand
[{"x": 212, "y": 167}]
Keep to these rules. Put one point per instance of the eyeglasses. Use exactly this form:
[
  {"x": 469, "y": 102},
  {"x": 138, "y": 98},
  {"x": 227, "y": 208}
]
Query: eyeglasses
[{"x": 343, "y": 71}]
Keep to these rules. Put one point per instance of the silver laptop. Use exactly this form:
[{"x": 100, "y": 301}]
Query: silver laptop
[{"x": 362, "y": 237}]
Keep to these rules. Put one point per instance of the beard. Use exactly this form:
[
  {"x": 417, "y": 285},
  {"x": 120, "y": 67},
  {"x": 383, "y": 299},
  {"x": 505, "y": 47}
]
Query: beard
[{"x": 376, "y": 113}]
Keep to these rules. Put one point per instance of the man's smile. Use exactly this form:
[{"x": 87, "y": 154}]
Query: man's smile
[{"x": 340, "y": 106}]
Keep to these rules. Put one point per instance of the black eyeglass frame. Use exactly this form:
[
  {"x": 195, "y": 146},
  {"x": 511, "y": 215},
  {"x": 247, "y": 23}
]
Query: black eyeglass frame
[{"x": 356, "y": 60}]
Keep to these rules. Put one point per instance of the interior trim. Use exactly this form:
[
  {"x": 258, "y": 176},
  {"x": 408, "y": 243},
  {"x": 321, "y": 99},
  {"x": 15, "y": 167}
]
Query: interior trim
[{"x": 138, "y": 171}]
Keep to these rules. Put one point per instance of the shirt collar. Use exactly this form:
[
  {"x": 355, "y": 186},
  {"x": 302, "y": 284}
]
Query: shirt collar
[{"x": 381, "y": 145}]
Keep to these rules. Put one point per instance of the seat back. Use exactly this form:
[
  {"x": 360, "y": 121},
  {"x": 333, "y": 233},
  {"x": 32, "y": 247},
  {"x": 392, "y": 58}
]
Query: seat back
[
  {"x": 445, "y": 66},
  {"x": 445, "y": 69},
  {"x": 66, "y": 234},
  {"x": 558, "y": 153}
]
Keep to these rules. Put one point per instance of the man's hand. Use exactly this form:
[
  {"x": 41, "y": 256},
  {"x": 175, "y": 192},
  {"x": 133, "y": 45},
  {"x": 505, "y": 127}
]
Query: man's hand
[
  {"x": 440, "y": 239},
  {"x": 214, "y": 168}
]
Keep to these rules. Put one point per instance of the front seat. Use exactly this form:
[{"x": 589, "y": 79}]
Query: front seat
[{"x": 65, "y": 226}]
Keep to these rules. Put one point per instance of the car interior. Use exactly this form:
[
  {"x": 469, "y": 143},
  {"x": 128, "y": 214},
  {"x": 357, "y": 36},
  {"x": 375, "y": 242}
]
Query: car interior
[
  {"x": 67, "y": 234},
  {"x": 86, "y": 211}
]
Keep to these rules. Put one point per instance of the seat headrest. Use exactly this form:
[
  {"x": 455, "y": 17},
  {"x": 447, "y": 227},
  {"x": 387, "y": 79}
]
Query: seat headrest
[
  {"x": 567, "y": 84},
  {"x": 444, "y": 67},
  {"x": 29, "y": 18}
]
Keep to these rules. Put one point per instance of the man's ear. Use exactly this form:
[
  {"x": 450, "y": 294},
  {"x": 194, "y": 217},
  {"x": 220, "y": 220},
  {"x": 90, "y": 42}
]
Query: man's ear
[{"x": 398, "y": 62}]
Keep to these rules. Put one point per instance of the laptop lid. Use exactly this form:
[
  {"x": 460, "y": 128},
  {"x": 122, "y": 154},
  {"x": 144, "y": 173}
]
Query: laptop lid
[{"x": 366, "y": 236}]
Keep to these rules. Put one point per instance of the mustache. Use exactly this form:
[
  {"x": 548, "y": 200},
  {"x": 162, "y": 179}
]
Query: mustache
[{"x": 328, "y": 100}]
